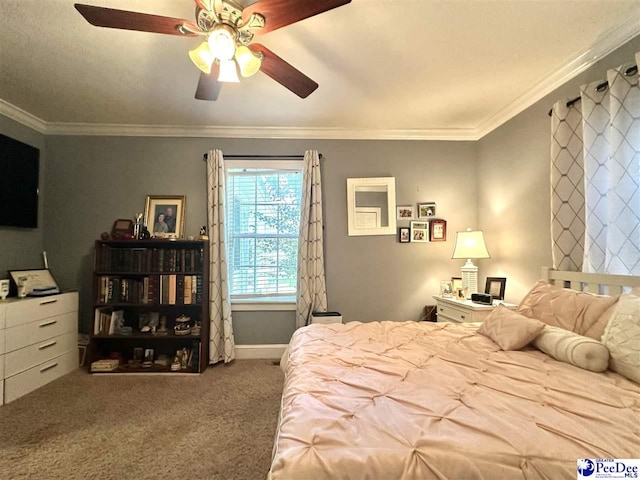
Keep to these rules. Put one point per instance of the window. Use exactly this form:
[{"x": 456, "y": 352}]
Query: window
[{"x": 263, "y": 221}]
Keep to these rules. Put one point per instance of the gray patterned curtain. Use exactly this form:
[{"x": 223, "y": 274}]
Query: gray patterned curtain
[
  {"x": 567, "y": 187},
  {"x": 221, "y": 342},
  {"x": 595, "y": 177},
  {"x": 312, "y": 291}
]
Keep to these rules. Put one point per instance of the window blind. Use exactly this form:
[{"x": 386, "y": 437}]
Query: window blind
[{"x": 263, "y": 221}]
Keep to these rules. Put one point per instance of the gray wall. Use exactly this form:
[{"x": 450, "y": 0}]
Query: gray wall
[
  {"x": 94, "y": 180},
  {"x": 21, "y": 248},
  {"x": 514, "y": 184}
]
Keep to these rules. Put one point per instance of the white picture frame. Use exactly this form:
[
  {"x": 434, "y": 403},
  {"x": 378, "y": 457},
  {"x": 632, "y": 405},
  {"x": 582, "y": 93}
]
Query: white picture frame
[
  {"x": 419, "y": 232},
  {"x": 405, "y": 212}
]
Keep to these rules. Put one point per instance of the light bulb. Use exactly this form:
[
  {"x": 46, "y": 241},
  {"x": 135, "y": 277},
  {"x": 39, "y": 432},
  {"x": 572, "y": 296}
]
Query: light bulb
[
  {"x": 202, "y": 57},
  {"x": 222, "y": 42},
  {"x": 248, "y": 61},
  {"x": 228, "y": 71}
]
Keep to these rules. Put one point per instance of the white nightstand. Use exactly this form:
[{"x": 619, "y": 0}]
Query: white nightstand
[{"x": 463, "y": 311}]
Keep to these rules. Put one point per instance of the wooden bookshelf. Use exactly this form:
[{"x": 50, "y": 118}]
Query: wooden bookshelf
[{"x": 141, "y": 282}]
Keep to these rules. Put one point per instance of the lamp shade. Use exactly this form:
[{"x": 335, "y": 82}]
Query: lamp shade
[
  {"x": 228, "y": 71},
  {"x": 248, "y": 61},
  {"x": 470, "y": 244},
  {"x": 202, "y": 57}
]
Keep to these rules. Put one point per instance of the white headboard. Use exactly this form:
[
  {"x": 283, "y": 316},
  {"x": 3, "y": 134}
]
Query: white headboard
[{"x": 591, "y": 282}]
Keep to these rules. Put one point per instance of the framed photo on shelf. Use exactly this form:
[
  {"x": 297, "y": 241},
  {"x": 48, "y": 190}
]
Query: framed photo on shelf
[
  {"x": 426, "y": 210},
  {"x": 404, "y": 234},
  {"x": 495, "y": 287},
  {"x": 438, "y": 230},
  {"x": 420, "y": 232},
  {"x": 164, "y": 215},
  {"x": 405, "y": 212},
  {"x": 456, "y": 282}
]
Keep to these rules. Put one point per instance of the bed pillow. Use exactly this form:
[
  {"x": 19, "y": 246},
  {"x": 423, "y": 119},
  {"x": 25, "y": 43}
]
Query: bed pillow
[
  {"x": 579, "y": 312},
  {"x": 622, "y": 337},
  {"x": 509, "y": 329},
  {"x": 569, "y": 347}
]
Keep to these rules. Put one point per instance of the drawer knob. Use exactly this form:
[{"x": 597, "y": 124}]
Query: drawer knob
[
  {"x": 462, "y": 316},
  {"x": 48, "y": 367},
  {"x": 46, "y": 324},
  {"x": 47, "y": 345}
]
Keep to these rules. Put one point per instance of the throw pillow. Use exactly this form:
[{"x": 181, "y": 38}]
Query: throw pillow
[
  {"x": 580, "y": 312},
  {"x": 509, "y": 329},
  {"x": 569, "y": 347},
  {"x": 622, "y": 337}
]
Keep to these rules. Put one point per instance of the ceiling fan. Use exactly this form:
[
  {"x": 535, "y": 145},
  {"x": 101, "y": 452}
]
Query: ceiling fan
[{"x": 227, "y": 30}]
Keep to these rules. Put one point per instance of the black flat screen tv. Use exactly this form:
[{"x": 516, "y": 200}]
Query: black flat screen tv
[{"x": 19, "y": 172}]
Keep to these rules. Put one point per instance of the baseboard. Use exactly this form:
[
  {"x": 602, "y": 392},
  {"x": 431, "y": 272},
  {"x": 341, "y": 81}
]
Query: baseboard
[{"x": 266, "y": 352}]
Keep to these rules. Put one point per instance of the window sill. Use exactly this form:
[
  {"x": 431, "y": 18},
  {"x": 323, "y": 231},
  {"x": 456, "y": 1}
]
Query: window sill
[{"x": 245, "y": 305}]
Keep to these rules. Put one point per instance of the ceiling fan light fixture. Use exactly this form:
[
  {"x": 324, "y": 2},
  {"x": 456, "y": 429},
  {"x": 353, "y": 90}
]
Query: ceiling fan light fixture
[
  {"x": 228, "y": 72},
  {"x": 202, "y": 57},
  {"x": 248, "y": 61},
  {"x": 222, "y": 42}
]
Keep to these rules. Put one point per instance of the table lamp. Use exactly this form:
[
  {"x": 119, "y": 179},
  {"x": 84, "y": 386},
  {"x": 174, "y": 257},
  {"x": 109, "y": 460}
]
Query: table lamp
[{"x": 470, "y": 244}]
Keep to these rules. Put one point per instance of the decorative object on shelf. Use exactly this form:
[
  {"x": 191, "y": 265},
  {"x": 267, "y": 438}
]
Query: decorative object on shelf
[
  {"x": 495, "y": 287},
  {"x": 137, "y": 225},
  {"x": 446, "y": 289},
  {"x": 404, "y": 234},
  {"x": 162, "y": 329},
  {"x": 195, "y": 330},
  {"x": 203, "y": 233},
  {"x": 437, "y": 230},
  {"x": 420, "y": 232},
  {"x": 4, "y": 289},
  {"x": 144, "y": 233},
  {"x": 164, "y": 215},
  {"x": 405, "y": 212},
  {"x": 182, "y": 326},
  {"x": 470, "y": 245},
  {"x": 426, "y": 210},
  {"x": 122, "y": 229},
  {"x": 104, "y": 236},
  {"x": 148, "y": 358},
  {"x": 35, "y": 283}
]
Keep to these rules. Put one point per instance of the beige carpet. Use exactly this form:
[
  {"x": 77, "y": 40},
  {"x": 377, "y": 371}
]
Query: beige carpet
[{"x": 219, "y": 425}]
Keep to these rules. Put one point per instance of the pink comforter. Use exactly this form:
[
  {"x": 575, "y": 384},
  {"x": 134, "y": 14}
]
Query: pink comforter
[{"x": 391, "y": 400}]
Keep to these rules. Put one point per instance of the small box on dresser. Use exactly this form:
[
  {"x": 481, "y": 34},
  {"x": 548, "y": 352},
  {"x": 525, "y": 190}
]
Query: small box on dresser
[{"x": 40, "y": 342}]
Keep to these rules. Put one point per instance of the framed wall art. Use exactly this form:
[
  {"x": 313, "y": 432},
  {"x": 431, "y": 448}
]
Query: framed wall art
[
  {"x": 405, "y": 212},
  {"x": 164, "y": 215},
  {"x": 420, "y": 232},
  {"x": 495, "y": 287},
  {"x": 438, "y": 230},
  {"x": 426, "y": 210},
  {"x": 404, "y": 234}
]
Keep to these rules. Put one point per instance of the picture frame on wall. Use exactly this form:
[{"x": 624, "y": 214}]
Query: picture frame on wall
[
  {"x": 404, "y": 234},
  {"x": 495, "y": 287},
  {"x": 426, "y": 210},
  {"x": 438, "y": 230},
  {"x": 420, "y": 232},
  {"x": 405, "y": 212},
  {"x": 164, "y": 215}
]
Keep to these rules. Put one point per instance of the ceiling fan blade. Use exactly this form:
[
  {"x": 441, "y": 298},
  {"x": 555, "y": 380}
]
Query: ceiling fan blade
[
  {"x": 208, "y": 85},
  {"x": 283, "y": 73},
  {"x": 126, "y": 20},
  {"x": 280, "y": 13}
]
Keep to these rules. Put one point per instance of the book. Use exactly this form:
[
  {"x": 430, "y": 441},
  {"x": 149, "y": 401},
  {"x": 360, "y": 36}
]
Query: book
[
  {"x": 105, "y": 365},
  {"x": 172, "y": 289}
]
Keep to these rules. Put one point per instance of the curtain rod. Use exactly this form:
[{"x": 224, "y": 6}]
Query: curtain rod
[
  {"x": 263, "y": 157},
  {"x": 600, "y": 87}
]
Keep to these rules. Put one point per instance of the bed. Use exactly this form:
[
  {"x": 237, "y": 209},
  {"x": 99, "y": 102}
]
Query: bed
[{"x": 422, "y": 400}]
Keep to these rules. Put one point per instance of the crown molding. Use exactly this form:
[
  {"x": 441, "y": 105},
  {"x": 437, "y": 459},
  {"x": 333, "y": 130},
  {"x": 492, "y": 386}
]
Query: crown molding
[
  {"x": 22, "y": 116},
  {"x": 609, "y": 42},
  {"x": 319, "y": 133}
]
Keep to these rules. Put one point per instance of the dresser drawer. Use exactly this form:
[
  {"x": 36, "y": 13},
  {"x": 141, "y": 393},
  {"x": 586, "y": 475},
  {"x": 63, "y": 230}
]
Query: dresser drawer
[
  {"x": 3, "y": 314},
  {"x": 2, "y": 348},
  {"x": 36, "y": 332},
  {"x": 25, "y": 358},
  {"x": 29, "y": 380},
  {"x": 448, "y": 313},
  {"x": 32, "y": 309}
]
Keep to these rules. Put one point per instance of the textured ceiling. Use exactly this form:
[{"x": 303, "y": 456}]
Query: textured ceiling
[{"x": 383, "y": 66}]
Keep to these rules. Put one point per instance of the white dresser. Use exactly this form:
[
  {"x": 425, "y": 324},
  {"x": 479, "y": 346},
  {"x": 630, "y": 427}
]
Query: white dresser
[{"x": 38, "y": 342}]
